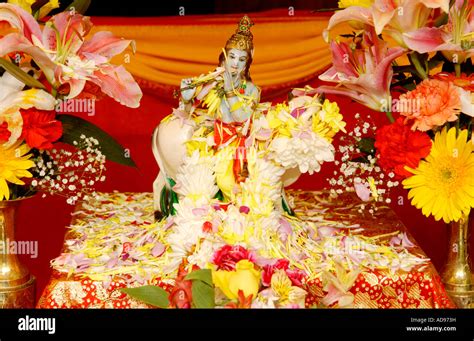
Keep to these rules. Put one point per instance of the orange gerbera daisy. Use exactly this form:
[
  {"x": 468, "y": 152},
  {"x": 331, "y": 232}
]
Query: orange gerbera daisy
[{"x": 435, "y": 102}]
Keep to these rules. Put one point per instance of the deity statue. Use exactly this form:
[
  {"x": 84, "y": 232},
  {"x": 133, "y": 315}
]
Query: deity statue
[
  {"x": 232, "y": 82},
  {"x": 225, "y": 101},
  {"x": 225, "y": 159}
]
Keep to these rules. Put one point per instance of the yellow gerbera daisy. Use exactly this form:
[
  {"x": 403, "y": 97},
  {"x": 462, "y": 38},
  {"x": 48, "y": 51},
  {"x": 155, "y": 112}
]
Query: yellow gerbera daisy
[
  {"x": 14, "y": 165},
  {"x": 443, "y": 184}
]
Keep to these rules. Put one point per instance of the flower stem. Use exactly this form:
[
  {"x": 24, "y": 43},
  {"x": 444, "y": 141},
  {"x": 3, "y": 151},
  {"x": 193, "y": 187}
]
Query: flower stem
[
  {"x": 390, "y": 116},
  {"x": 457, "y": 69},
  {"x": 417, "y": 64}
]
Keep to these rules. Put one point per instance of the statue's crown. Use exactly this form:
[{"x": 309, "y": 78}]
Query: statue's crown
[{"x": 242, "y": 39}]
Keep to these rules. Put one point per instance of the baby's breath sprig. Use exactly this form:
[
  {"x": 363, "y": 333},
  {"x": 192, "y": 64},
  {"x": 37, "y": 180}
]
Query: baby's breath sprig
[
  {"x": 358, "y": 170},
  {"x": 71, "y": 174}
]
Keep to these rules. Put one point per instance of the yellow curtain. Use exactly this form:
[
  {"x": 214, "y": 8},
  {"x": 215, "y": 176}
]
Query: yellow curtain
[{"x": 287, "y": 48}]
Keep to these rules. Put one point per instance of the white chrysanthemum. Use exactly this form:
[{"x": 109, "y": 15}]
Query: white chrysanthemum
[
  {"x": 196, "y": 179},
  {"x": 187, "y": 230},
  {"x": 204, "y": 252},
  {"x": 305, "y": 150},
  {"x": 189, "y": 220},
  {"x": 174, "y": 257}
]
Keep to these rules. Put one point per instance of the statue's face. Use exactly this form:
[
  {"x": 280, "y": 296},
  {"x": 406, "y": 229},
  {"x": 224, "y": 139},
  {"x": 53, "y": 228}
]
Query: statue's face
[{"x": 236, "y": 62}]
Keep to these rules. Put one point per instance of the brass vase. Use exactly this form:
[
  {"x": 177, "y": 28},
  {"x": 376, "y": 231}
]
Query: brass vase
[
  {"x": 17, "y": 285},
  {"x": 457, "y": 275}
]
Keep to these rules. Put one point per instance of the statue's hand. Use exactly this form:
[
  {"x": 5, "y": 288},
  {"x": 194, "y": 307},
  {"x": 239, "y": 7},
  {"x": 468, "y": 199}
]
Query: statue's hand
[
  {"x": 186, "y": 92},
  {"x": 227, "y": 81}
]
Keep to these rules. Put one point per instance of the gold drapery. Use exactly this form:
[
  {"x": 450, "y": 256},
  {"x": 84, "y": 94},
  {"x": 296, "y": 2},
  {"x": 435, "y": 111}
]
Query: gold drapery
[{"x": 288, "y": 48}]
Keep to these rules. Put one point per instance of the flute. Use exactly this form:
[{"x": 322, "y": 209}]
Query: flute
[{"x": 204, "y": 79}]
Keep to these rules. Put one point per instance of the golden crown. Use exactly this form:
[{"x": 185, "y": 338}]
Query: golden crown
[{"x": 242, "y": 39}]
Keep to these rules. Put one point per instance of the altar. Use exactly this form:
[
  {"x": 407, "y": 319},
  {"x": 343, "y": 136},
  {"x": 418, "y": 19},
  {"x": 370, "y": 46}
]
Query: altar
[
  {"x": 208, "y": 215},
  {"x": 115, "y": 215}
]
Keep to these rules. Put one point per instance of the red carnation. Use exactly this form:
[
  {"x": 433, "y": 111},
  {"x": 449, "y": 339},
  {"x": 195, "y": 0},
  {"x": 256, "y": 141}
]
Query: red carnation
[
  {"x": 4, "y": 132},
  {"x": 40, "y": 129},
  {"x": 227, "y": 256},
  {"x": 399, "y": 146}
]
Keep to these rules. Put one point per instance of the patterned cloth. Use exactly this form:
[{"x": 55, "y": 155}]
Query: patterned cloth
[{"x": 421, "y": 287}]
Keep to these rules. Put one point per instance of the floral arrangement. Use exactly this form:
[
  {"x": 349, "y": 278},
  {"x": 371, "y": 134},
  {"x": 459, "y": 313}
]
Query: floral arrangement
[
  {"x": 412, "y": 59},
  {"x": 48, "y": 65},
  {"x": 240, "y": 248}
]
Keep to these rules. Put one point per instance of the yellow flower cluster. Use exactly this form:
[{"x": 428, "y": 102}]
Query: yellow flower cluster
[
  {"x": 328, "y": 121},
  {"x": 443, "y": 184},
  {"x": 325, "y": 119},
  {"x": 14, "y": 164}
]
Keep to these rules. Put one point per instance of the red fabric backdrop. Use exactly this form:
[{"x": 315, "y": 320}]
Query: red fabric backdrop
[{"x": 44, "y": 220}]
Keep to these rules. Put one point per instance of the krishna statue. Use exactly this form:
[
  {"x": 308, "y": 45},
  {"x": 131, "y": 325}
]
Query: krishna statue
[{"x": 215, "y": 114}]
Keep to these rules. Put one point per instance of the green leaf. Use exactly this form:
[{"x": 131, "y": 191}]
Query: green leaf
[
  {"x": 149, "y": 294},
  {"x": 74, "y": 127},
  {"x": 441, "y": 20},
  {"x": 366, "y": 145},
  {"x": 204, "y": 275},
  {"x": 203, "y": 295},
  {"x": 79, "y": 6},
  {"x": 286, "y": 207},
  {"x": 408, "y": 83},
  {"x": 21, "y": 75},
  {"x": 219, "y": 196}
]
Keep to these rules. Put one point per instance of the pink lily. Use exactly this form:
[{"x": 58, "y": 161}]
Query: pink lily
[
  {"x": 66, "y": 58},
  {"x": 393, "y": 17},
  {"x": 455, "y": 38},
  {"x": 363, "y": 74}
]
